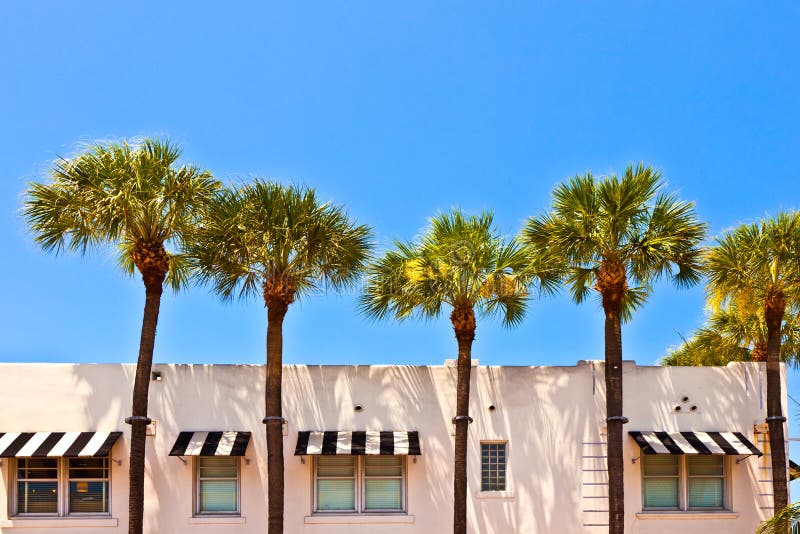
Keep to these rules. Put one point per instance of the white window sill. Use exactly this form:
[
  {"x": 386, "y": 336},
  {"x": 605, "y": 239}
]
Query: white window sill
[
  {"x": 59, "y": 522},
  {"x": 218, "y": 520},
  {"x": 355, "y": 519},
  {"x": 693, "y": 516},
  {"x": 502, "y": 495}
]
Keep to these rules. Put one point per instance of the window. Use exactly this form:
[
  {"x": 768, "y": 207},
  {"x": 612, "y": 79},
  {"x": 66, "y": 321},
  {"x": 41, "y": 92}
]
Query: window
[
  {"x": 359, "y": 484},
  {"x": 661, "y": 482},
  {"x": 88, "y": 485},
  {"x": 37, "y": 486},
  {"x": 217, "y": 485},
  {"x": 705, "y": 476},
  {"x": 493, "y": 466},
  {"x": 687, "y": 482},
  {"x": 62, "y": 486}
]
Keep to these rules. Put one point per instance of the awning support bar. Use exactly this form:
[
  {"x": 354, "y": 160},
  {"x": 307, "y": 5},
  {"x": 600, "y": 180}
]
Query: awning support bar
[{"x": 743, "y": 458}]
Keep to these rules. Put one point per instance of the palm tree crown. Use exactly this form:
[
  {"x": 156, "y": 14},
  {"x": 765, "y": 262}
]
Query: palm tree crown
[
  {"x": 280, "y": 239},
  {"x": 460, "y": 261},
  {"x": 130, "y": 195},
  {"x": 732, "y": 335},
  {"x": 616, "y": 232},
  {"x": 757, "y": 264}
]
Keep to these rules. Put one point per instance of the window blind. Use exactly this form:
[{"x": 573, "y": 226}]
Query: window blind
[
  {"x": 37, "y": 486},
  {"x": 336, "y": 483},
  {"x": 88, "y": 485},
  {"x": 218, "y": 484},
  {"x": 383, "y": 482},
  {"x": 705, "y": 481},
  {"x": 661, "y": 481}
]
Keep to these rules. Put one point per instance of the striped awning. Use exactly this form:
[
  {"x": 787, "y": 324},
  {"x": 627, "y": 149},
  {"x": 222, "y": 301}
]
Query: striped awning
[
  {"x": 358, "y": 443},
  {"x": 211, "y": 443},
  {"x": 56, "y": 444},
  {"x": 730, "y": 443}
]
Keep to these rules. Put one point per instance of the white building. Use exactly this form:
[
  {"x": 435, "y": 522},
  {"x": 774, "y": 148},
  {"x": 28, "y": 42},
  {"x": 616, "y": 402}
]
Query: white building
[{"x": 536, "y": 449}]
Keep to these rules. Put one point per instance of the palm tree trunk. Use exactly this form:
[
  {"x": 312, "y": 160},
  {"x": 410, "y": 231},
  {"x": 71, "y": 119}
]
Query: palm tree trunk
[
  {"x": 274, "y": 420},
  {"x": 775, "y": 418},
  {"x": 615, "y": 420},
  {"x": 139, "y": 420},
  {"x": 464, "y": 326}
]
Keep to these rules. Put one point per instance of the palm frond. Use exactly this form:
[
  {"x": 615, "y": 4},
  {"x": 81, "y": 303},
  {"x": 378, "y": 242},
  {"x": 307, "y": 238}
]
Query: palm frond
[
  {"x": 731, "y": 333},
  {"x": 624, "y": 220},
  {"x": 754, "y": 259},
  {"x": 780, "y": 522},
  {"x": 459, "y": 258},
  {"x": 118, "y": 194},
  {"x": 265, "y": 230}
]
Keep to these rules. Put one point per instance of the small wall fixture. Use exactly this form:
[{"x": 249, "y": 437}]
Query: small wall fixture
[
  {"x": 677, "y": 408},
  {"x": 358, "y": 408},
  {"x": 492, "y": 407},
  {"x": 155, "y": 376},
  {"x": 693, "y": 408}
]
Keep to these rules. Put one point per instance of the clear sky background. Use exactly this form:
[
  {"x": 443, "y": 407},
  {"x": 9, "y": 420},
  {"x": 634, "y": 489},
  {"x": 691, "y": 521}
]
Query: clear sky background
[{"x": 397, "y": 111}]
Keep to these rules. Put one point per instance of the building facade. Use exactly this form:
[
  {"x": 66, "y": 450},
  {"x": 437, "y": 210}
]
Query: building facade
[{"x": 370, "y": 449}]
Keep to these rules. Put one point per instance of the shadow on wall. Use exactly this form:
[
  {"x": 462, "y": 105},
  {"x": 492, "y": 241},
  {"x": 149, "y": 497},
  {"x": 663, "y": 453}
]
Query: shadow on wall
[
  {"x": 393, "y": 398},
  {"x": 731, "y": 398},
  {"x": 545, "y": 413}
]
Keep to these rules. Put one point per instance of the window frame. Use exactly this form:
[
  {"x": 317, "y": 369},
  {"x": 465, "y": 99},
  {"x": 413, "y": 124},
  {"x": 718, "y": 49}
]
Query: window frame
[
  {"x": 507, "y": 482},
  {"x": 678, "y": 476},
  {"x": 683, "y": 487},
  {"x": 16, "y": 494},
  {"x": 68, "y": 480},
  {"x": 360, "y": 487},
  {"x": 724, "y": 477},
  {"x": 364, "y": 479},
  {"x": 196, "y": 479},
  {"x": 354, "y": 478},
  {"x": 62, "y": 490}
]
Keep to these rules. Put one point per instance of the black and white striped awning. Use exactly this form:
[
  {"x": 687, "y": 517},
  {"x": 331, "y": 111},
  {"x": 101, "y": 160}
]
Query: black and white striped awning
[
  {"x": 358, "y": 443},
  {"x": 730, "y": 443},
  {"x": 211, "y": 443},
  {"x": 56, "y": 444}
]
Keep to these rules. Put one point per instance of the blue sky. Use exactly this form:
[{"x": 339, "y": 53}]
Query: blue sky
[{"x": 397, "y": 111}]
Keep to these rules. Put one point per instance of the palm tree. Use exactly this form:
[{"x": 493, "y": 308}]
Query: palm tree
[
  {"x": 760, "y": 263},
  {"x": 733, "y": 334},
  {"x": 618, "y": 236},
  {"x": 460, "y": 263},
  {"x": 280, "y": 243},
  {"x": 134, "y": 197}
]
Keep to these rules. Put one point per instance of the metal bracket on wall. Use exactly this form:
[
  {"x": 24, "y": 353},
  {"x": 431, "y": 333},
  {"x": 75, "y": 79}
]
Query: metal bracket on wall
[{"x": 182, "y": 459}]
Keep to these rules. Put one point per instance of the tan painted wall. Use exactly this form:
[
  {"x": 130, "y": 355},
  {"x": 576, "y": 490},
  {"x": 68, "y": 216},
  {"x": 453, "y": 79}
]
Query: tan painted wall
[{"x": 551, "y": 417}]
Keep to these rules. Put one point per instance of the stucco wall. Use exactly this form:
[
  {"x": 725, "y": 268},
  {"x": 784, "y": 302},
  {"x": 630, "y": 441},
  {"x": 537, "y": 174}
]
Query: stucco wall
[{"x": 551, "y": 417}]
